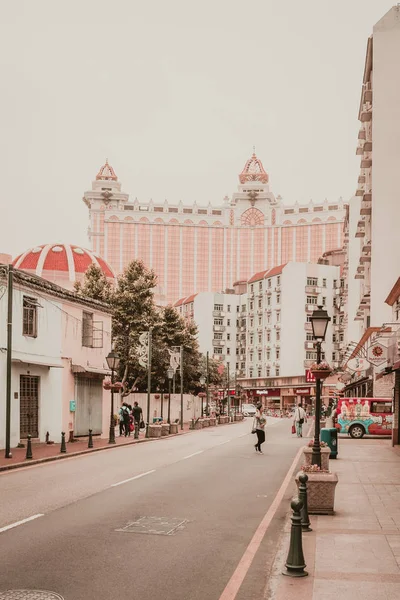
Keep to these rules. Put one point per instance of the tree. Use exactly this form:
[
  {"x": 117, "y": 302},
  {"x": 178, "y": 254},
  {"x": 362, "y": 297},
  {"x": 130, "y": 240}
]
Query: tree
[{"x": 95, "y": 285}]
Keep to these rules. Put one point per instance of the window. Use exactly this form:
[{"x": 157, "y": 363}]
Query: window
[
  {"x": 259, "y": 372},
  {"x": 237, "y": 337},
  {"x": 334, "y": 338},
  {"x": 268, "y": 336},
  {"x": 259, "y": 338},
  {"x": 323, "y": 300},
  {"x": 228, "y": 322},
  {"x": 251, "y": 305},
  {"x": 277, "y": 371},
  {"x": 228, "y": 350},
  {"x": 237, "y": 351},
  {"x": 267, "y": 372},
  {"x": 381, "y": 407},
  {"x": 311, "y": 355},
  {"x": 251, "y": 322},
  {"x": 334, "y": 320},
  {"x": 260, "y": 304},
  {"x": 278, "y": 298},
  {"x": 251, "y": 372},
  {"x": 251, "y": 339},
  {"x": 260, "y": 286},
  {"x": 252, "y": 288},
  {"x": 188, "y": 211},
  {"x": 268, "y": 355},
  {"x": 278, "y": 354},
  {"x": 217, "y": 336},
  {"x": 228, "y": 337},
  {"x": 278, "y": 336},
  {"x": 259, "y": 356},
  {"x": 218, "y": 321},
  {"x": 310, "y": 337},
  {"x": 269, "y": 283},
  {"x": 237, "y": 366},
  {"x": 237, "y": 308},
  {"x": 237, "y": 322},
  {"x": 312, "y": 281},
  {"x": 243, "y": 308},
  {"x": 219, "y": 307},
  {"x": 242, "y": 365},
  {"x": 29, "y": 316},
  {"x": 202, "y": 211},
  {"x": 311, "y": 299},
  {"x": 269, "y": 301},
  {"x": 229, "y": 308},
  {"x": 278, "y": 317},
  {"x": 341, "y": 337},
  {"x": 324, "y": 283},
  {"x": 92, "y": 331},
  {"x": 334, "y": 356}
]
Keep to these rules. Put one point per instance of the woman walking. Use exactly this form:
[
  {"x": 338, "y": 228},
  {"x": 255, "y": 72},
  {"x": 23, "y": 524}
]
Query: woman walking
[{"x": 260, "y": 422}]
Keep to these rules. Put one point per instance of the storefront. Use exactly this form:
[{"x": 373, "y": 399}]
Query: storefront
[{"x": 270, "y": 398}]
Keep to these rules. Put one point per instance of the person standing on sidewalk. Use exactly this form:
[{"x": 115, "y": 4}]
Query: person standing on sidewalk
[
  {"x": 260, "y": 422},
  {"x": 300, "y": 417},
  {"x": 137, "y": 417}
]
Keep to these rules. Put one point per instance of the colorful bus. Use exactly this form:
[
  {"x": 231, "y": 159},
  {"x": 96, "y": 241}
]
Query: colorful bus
[{"x": 365, "y": 416}]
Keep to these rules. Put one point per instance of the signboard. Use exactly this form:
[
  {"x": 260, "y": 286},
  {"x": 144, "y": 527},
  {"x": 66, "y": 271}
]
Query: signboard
[
  {"x": 302, "y": 391},
  {"x": 269, "y": 392},
  {"x": 72, "y": 406},
  {"x": 377, "y": 354},
  {"x": 358, "y": 364},
  {"x": 309, "y": 376}
]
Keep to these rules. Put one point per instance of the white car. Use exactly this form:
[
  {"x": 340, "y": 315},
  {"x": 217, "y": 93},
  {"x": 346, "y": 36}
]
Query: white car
[{"x": 248, "y": 410}]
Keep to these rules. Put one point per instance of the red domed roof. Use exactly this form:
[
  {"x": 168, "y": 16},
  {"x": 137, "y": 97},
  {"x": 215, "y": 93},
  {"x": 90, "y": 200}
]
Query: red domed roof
[{"x": 61, "y": 261}]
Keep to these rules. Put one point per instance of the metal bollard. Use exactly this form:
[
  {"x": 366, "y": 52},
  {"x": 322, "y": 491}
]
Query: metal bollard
[
  {"x": 295, "y": 564},
  {"x": 63, "y": 448},
  {"x": 305, "y": 519},
  {"x": 47, "y": 437},
  {"x": 90, "y": 442},
  {"x": 29, "y": 448}
]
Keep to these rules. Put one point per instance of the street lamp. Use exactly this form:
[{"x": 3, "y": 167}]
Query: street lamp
[
  {"x": 319, "y": 323},
  {"x": 202, "y": 382},
  {"x": 162, "y": 381},
  {"x": 170, "y": 374},
  {"x": 113, "y": 364}
]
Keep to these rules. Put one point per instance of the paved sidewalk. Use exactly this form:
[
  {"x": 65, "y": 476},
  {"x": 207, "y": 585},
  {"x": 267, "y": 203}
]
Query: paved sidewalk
[
  {"x": 355, "y": 554},
  {"x": 42, "y": 452}
]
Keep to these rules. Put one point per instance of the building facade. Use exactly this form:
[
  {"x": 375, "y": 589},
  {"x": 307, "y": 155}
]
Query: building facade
[
  {"x": 376, "y": 258},
  {"x": 60, "y": 342},
  {"x": 195, "y": 248}
]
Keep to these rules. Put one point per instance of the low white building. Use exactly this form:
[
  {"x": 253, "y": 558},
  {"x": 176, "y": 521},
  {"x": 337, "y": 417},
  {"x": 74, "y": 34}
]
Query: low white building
[{"x": 59, "y": 345}]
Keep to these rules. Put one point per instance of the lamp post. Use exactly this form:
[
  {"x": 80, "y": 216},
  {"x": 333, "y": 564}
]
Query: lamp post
[
  {"x": 319, "y": 322},
  {"x": 202, "y": 382},
  {"x": 170, "y": 374},
  {"x": 113, "y": 364},
  {"x": 207, "y": 384},
  {"x": 162, "y": 381}
]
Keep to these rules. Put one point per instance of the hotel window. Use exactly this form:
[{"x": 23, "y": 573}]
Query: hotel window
[
  {"x": 277, "y": 371},
  {"x": 259, "y": 372},
  {"x": 229, "y": 308},
  {"x": 278, "y": 298},
  {"x": 259, "y": 338},
  {"x": 267, "y": 372},
  {"x": 278, "y": 336},
  {"x": 228, "y": 323},
  {"x": 277, "y": 354},
  {"x": 259, "y": 356},
  {"x": 260, "y": 303},
  {"x": 323, "y": 300},
  {"x": 228, "y": 337},
  {"x": 278, "y": 317},
  {"x": 312, "y": 299},
  {"x": 268, "y": 355},
  {"x": 324, "y": 283},
  {"x": 29, "y": 314},
  {"x": 228, "y": 350}
]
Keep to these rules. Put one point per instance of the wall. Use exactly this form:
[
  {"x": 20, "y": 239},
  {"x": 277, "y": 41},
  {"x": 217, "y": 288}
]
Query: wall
[
  {"x": 354, "y": 287},
  {"x": 191, "y": 405},
  {"x": 385, "y": 165},
  {"x": 293, "y": 334}
]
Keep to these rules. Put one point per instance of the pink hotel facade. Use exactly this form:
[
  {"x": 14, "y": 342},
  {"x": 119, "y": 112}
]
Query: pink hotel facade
[{"x": 194, "y": 248}]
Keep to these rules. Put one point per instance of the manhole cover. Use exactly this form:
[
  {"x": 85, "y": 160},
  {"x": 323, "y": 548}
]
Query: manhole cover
[
  {"x": 29, "y": 595},
  {"x": 154, "y": 526}
]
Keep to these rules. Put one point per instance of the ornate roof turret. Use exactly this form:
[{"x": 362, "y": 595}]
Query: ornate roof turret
[
  {"x": 106, "y": 173},
  {"x": 253, "y": 171}
]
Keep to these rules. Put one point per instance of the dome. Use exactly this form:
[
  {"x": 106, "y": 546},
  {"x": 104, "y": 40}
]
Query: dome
[
  {"x": 253, "y": 171},
  {"x": 62, "y": 264}
]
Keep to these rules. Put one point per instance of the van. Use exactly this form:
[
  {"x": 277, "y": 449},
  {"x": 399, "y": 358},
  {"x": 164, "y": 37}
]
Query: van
[{"x": 365, "y": 416}]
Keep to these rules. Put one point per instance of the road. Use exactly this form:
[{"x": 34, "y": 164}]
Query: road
[{"x": 209, "y": 487}]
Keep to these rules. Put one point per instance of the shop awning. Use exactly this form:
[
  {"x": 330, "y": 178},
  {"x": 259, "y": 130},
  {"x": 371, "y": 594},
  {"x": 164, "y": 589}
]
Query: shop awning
[
  {"x": 37, "y": 359},
  {"x": 88, "y": 369}
]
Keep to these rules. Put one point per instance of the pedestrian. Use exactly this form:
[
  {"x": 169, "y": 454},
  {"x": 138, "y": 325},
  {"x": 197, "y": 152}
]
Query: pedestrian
[
  {"x": 259, "y": 422},
  {"x": 299, "y": 418},
  {"x": 137, "y": 414},
  {"x": 126, "y": 419},
  {"x": 121, "y": 419}
]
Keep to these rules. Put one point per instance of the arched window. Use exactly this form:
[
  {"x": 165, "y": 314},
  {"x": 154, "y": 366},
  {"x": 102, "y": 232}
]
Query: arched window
[{"x": 252, "y": 217}]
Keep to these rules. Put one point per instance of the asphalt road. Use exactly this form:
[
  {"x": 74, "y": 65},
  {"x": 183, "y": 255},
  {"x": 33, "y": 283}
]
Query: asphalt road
[{"x": 209, "y": 488}]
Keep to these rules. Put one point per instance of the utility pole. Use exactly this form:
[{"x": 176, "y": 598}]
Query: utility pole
[
  {"x": 207, "y": 384},
  {"x": 148, "y": 382},
  {"x": 229, "y": 391},
  {"x": 181, "y": 387},
  {"x": 8, "y": 453}
]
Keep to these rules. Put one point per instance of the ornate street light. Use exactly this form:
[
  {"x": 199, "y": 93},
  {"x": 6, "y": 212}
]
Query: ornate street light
[
  {"x": 170, "y": 374},
  {"x": 202, "y": 382},
  {"x": 113, "y": 361},
  {"x": 319, "y": 323}
]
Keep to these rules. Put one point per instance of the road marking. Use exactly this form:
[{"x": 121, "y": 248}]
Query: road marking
[
  {"x": 132, "y": 478},
  {"x": 7, "y": 527},
  {"x": 194, "y": 454},
  {"x": 232, "y": 588},
  {"x": 243, "y": 435},
  {"x": 226, "y": 442}
]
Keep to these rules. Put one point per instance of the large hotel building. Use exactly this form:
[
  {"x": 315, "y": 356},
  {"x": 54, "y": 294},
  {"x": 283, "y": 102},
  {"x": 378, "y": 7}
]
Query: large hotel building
[{"x": 195, "y": 248}]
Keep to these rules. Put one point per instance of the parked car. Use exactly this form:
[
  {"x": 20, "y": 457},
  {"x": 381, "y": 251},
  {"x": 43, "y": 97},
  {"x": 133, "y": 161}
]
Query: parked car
[
  {"x": 364, "y": 416},
  {"x": 249, "y": 410}
]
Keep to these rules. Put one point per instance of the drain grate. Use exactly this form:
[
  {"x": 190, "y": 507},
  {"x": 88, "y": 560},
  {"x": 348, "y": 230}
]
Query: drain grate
[
  {"x": 29, "y": 595},
  {"x": 154, "y": 526}
]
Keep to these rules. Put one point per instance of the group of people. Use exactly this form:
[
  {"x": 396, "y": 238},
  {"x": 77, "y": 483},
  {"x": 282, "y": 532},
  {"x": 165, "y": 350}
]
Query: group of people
[
  {"x": 260, "y": 421},
  {"x": 130, "y": 419}
]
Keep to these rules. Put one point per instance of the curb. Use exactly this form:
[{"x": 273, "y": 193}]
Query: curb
[{"x": 46, "y": 459}]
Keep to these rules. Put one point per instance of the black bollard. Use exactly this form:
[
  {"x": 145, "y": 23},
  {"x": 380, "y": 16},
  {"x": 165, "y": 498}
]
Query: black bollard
[
  {"x": 90, "y": 442},
  {"x": 29, "y": 448},
  {"x": 305, "y": 519},
  {"x": 47, "y": 437},
  {"x": 63, "y": 446},
  {"x": 295, "y": 564}
]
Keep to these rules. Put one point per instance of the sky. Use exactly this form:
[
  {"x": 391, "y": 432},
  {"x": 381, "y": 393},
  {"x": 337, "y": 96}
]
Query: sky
[{"x": 175, "y": 93}]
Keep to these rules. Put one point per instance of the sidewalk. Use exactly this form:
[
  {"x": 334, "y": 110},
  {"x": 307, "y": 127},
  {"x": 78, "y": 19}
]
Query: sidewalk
[
  {"x": 355, "y": 554},
  {"x": 42, "y": 452}
]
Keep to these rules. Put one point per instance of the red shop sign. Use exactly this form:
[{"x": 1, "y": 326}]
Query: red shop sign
[
  {"x": 309, "y": 376},
  {"x": 302, "y": 391}
]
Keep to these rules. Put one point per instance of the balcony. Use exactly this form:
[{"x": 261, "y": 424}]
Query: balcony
[
  {"x": 268, "y": 291},
  {"x": 277, "y": 326},
  {"x": 310, "y": 307},
  {"x": 278, "y": 288},
  {"x": 361, "y": 179},
  {"x": 368, "y": 96},
  {"x": 365, "y": 259},
  {"x": 367, "y": 196},
  {"x": 360, "y": 150},
  {"x": 361, "y": 134},
  {"x": 366, "y": 247},
  {"x": 218, "y": 313},
  {"x": 366, "y": 208},
  {"x": 360, "y": 233},
  {"x": 337, "y": 346},
  {"x": 218, "y": 343},
  {"x": 366, "y": 163},
  {"x": 367, "y": 146},
  {"x": 312, "y": 289},
  {"x": 307, "y": 327},
  {"x": 360, "y": 192},
  {"x": 366, "y": 115},
  {"x": 359, "y": 276},
  {"x": 220, "y": 357},
  {"x": 219, "y": 328},
  {"x": 309, "y": 345}
]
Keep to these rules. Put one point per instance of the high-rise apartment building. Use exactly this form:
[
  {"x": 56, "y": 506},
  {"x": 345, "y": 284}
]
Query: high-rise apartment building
[{"x": 208, "y": 248}]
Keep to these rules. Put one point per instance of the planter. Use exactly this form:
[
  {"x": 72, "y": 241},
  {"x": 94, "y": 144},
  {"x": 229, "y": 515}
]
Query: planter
[
  {"x": 223, "y": 419},
  {"x": 320, "y": 492},
  {"x": 155, "y": 431},
  {"x": 198, "y": 424},
  {"x": 173, "y": 428},
  {"x": 213, "y": 421},
  {"x": 325, "y": 452},
  {"x": 164, "y": 429},
  {"x": 206, "y": 422}
]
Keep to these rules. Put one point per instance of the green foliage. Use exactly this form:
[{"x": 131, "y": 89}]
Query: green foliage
[{"x": 95, "y": 285}]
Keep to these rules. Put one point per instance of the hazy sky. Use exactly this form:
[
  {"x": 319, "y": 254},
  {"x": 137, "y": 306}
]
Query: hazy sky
[{"x": 175, "y": 93}]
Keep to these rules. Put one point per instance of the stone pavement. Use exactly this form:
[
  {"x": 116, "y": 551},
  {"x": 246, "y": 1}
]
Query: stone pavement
[{"x": 355, "y": 554}]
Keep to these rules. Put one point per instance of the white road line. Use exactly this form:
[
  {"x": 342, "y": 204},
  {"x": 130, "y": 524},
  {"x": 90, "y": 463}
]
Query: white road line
[
  {"x": 194, "y": 454},
  {"x": 244, "y": 434},
  {"x": 226, "y": 442},
  {"x": 20, "y": 522},
  {"x": 132, "y": 478}
]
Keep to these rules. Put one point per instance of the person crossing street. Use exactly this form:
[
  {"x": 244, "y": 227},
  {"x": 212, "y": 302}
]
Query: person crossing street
[{"x": 300, "y": 418}]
